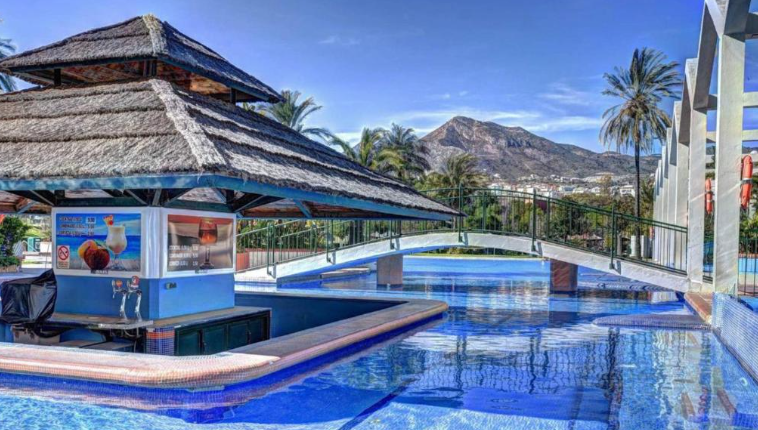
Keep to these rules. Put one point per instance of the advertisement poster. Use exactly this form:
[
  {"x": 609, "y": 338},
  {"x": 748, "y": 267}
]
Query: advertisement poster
[
  {"x": 98, "y": 242},
  {"x": 200, "y": 244}
]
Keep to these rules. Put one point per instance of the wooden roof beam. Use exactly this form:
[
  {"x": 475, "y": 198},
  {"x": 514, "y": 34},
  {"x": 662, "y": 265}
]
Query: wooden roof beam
[
  {"x": 138, "y": 195},
  {"x": 250, "y": 201},
  {"x": 43, "y": 197},
  {"x": 172, "y": 195},
  {"x": 24, "y": 205},
  {"x": 303, "y": 206}
]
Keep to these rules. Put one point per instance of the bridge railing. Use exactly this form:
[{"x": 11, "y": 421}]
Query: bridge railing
[
  {"x": 504, "y": 212},
  {"x": 748, "y": 263}
]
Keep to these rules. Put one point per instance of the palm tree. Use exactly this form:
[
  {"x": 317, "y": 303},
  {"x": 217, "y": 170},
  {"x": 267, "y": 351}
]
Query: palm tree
[
  {"x": 369, "y": 152},
  {"x": 647, "y": 191},
  {"x": 459, "y": 170},
  {"x": 6, "y": 49},
  {"x": 412, "y": 162},
  {"x": 293, "y": 113},
  {"x": 637, "y": 121}
]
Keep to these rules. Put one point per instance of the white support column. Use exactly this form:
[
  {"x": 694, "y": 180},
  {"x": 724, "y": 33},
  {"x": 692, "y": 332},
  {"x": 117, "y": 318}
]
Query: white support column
[
  {"x": 671, "y": 155},
  {"x": 669, "y": 247},
  {"x": 664, "y": 183},
  {"x": 660, "y": 238},
  {"x": 681, "y": 200},
  {"x": 682, "y": 173},
  {"x": 731, "y": 84},
  {"x": 657, "y": 209},
  {"x": 656, "y": 193},
  {"x": 696, "y": 207}
]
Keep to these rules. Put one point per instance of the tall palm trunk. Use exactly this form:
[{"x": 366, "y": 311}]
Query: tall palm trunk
[{"x": 637, "y": 244}]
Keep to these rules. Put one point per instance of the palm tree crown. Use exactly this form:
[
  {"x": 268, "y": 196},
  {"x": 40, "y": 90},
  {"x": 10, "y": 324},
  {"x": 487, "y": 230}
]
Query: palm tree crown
[
  {"x": 412, "y": 161},
  {"x": 638, "y": 121},
  {"x": 369, "y": 151},
  {"x": 6, "y": 49},
  {"x": 293, "y": 113},
  {"x": 459, "y": 170}
]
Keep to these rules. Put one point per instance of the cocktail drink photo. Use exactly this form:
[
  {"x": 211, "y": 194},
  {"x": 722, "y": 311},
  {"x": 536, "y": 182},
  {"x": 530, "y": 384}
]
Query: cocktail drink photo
[
  {"x": 116, "y": 242},
  {"x": 208, "y": 235}
]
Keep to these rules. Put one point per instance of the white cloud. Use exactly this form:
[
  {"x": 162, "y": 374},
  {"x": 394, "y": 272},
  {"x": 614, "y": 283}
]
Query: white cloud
[
  {"x": 337, "y": 40},
  {"x": 462, "y": 93},
  {"x": 440, "y": 116},
  {"x": 349, "y": 136},
  {"x": 538, "y": 122},
  {"x": 532, "y": 120},
  {"x": 566, "y": 123},
  {"x": 445, "y": 96},
  {"x": 564, "y": 94}
]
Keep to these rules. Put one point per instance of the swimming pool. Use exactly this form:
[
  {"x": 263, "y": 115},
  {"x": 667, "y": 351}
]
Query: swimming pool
[{"x": 507, "y": 355}]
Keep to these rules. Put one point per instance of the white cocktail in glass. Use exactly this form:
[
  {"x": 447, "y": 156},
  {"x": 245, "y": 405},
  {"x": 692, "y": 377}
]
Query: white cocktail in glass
[{"x": 116, "y": 242}]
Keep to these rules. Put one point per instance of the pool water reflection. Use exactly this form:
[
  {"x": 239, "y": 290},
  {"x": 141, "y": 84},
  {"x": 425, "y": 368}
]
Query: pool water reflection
[{"x": 507, "y": 355}]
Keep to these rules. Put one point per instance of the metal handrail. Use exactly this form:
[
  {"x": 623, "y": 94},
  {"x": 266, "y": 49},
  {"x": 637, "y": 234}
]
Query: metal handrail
[{"x": 495, "y": 211}]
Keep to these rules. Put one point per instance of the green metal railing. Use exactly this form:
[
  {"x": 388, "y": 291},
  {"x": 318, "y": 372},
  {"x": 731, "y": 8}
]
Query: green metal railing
[{"x": 492, "y": 211}]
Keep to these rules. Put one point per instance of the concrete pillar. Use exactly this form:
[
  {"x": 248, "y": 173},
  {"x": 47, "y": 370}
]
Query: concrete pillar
[
  {"x": 696, "y": 206},
  {"x": 682, "y": 184},
  {"x": 731, "y": 85},
  {"x": 665, "y": 184},
  {"x": 682, "y": 200},
  {"x": 563, "y": 277},
  {"x": 671, "y": 153},
  {"x": 389, "y": 270},
  {"x": 681, "y": 191},
  {"x": 669, "y": 239}
]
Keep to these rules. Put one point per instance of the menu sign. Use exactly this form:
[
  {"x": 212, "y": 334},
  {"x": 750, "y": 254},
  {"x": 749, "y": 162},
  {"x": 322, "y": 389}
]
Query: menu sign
[
  {"x": 200, "y": 244},
  {"x": 98, "y": 242}
]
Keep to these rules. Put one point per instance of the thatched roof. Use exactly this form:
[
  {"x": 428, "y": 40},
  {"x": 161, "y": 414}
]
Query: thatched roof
[
  {"x": 141, "y": 46},
  {"x": 148, "y": 133}
]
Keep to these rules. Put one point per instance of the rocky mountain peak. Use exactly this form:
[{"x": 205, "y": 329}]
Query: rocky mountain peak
[{"x": 513, "y": 152}]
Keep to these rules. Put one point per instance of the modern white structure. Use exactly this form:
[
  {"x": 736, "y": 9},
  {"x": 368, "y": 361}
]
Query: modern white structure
[{"x": 680, "y": 179}]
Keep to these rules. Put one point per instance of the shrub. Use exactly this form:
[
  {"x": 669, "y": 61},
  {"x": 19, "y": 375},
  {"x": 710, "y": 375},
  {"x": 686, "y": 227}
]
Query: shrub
[{"x": 12, "y": 230}]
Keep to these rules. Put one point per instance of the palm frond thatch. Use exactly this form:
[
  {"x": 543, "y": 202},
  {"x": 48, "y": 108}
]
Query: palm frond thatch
[
  {"x": 139, "y": 38},
  {"x": 152, "y": 127}
]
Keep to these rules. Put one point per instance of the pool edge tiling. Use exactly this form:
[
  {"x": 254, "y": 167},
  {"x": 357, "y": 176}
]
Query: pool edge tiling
[
  {"x": 212, "y": 371},
  {"x": 736, "y": 326}
]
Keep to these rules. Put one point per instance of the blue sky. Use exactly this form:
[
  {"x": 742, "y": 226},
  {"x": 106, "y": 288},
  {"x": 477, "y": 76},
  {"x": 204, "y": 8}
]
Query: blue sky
[{"x": 536, "y": 64}]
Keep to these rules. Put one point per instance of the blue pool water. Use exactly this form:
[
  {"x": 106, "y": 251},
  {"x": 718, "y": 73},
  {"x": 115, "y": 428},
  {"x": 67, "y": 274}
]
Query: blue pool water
[{"x": 506, "y": 356}]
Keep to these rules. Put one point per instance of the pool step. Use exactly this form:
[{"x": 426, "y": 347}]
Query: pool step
[
  {"x": 674, "y": 321},
  {"x": 113, "y": 346},
  {"x": 702, "y": 304},
  {"x": 78, "y": 343},
  {"x": 732, "y": 416}
]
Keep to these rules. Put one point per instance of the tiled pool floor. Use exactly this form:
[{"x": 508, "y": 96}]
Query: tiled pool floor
[{"x": 507, "y": 356}]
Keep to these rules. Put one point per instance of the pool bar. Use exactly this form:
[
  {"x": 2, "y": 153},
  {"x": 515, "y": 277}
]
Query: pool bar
[{"x": 145, "y": 162}]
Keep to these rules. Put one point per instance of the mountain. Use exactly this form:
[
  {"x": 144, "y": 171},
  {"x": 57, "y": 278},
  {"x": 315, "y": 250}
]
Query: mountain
[{"x": 513, "y": 152}]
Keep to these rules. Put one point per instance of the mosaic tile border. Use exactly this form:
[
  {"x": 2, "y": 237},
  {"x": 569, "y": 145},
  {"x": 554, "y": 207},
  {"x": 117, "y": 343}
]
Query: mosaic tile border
[
  {"x": 160, "y": 341},
  {"x": 212, "y": 371},
  {"x": 736, "y": 326},
  {"x": 679, "y": 322}
]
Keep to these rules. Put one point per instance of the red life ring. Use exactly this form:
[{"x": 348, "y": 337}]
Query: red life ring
[
  {"x": 746, "y": 188},
  {"x": 709, "y": 196}
]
